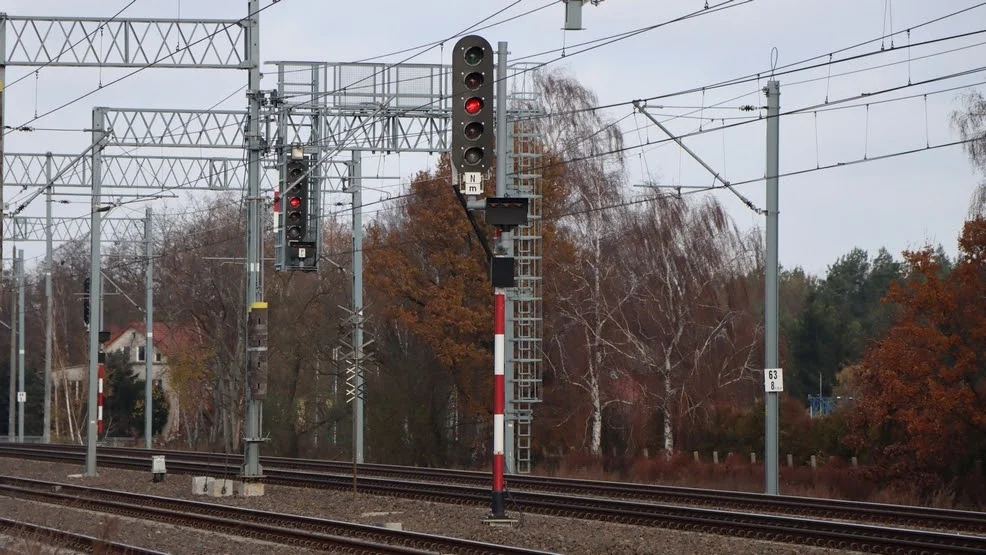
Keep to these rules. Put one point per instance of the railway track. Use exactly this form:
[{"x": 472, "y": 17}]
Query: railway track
[
  {"x": 849, "y": 511},
  {"x": 747, "y": 524},
  {"x": 296, "y": 530},
  {"x": 35, "y": 533}
]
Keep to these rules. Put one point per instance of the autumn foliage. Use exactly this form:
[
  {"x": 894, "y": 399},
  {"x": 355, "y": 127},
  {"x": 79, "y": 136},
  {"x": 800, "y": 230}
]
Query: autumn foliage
[{"x": 922, "y": 408}]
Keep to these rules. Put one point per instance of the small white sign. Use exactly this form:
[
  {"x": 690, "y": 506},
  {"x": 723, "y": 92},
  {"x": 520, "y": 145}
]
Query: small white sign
[
  {"x": 773, "y": 380},
  {"x": 472, "y": 183},
  {"x": 302, "y": 252},
  {"x": 21, "y": 396}
]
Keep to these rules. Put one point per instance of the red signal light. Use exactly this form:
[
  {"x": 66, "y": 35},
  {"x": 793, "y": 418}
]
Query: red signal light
[
  {"x": 294, "y": 202},
  {"x": 473, "y": 106}
]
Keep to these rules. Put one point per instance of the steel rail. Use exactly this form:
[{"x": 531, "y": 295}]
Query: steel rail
[
  {"x": 823, "y": 533},
  {"x": 52, "y": 537},
  {"x": 302, "y": 531},
  {"x": 851, "y": 511}
]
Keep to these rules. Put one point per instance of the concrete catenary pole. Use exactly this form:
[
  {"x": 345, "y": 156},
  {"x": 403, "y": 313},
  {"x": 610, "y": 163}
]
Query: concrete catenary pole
[
  {"x": 12, "y": 390},
  {"x": 21, "y": 392},
  {"x": 356, "y": 187},
  {"x": 252, "y": 471},
  {"x": 770, "y": 294},
  {"x": 3, "y": 130},
  {"x": 49, "y": 303},
  {"x": 95, "y": 289},
  {"x": 148, "y": 331}
]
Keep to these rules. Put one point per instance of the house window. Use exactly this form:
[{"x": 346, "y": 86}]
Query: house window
[
  {"x": 141, "y": 354},
  {"x": 157, "y": 356}
]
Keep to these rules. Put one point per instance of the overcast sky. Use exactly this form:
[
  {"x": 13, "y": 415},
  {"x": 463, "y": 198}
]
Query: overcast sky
[{"x": 902, "y": 202}]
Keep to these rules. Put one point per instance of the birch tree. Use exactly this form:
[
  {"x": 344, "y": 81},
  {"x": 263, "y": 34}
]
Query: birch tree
[
  {"x": 684, "y": 315},
  {"x": 584, "y": 140},
  {"x": 970, "y": 121}
]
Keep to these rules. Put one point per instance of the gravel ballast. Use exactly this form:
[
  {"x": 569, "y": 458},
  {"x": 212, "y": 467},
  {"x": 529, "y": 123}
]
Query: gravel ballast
[{"x": 561, "y": 535}]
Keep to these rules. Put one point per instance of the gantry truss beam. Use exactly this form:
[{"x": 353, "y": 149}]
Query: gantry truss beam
[
  {"x": 376, "y": 130},
  {"x": 27, "y": 228},
  {"x": 138, "y": 127},
  {"x": 124, "y": 42},
  {"x": 143, "y": 174},
  {"x": 375, "y": 107}
]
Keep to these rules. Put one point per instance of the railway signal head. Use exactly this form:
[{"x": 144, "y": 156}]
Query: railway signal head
[
  {"x": 295, "y": 199},
  {"x": 298, "y": 208},
  {"x": 472, "y": 105}
]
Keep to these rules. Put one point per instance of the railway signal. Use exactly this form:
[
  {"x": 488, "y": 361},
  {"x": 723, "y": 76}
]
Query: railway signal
[
  {"x": 294, "y": 204},
  {"x": 472, "y": 110}
]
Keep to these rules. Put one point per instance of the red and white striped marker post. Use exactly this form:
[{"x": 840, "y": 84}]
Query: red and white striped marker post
[
  {"x": 499, "y": 362},
  {"x": 99, "y": 398}
]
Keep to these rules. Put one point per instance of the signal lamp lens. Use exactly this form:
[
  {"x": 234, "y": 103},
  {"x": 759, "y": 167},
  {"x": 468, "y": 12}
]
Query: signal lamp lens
[
  {"x": 294, "y": 202},
  {"x": 473, "y": 130},
  {"x": 474, "y": 80},
  {"x": 473, "y": 106},
  {"x": 473, "y": 156},
  {"x": 294, "y": 217},
  {"x": 294, "y": 232},
  {"x": 473, "y": 55}
]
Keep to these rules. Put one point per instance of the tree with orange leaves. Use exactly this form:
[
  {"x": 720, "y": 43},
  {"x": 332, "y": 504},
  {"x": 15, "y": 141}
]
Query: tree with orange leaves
[
  {"x": 922, "y": 407},
  {"x": 426, "y": 275}
]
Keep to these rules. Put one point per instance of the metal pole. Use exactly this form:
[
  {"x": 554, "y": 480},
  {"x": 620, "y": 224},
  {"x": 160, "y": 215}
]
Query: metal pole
[
  {"x": 49, "y": 303},
  {"x": 3, "y": 79},
  {"x": 149, "y": 331},
  {"x": 506, "y": 247},
  {"x": 254, "y": 290},
  {"x": 95, "y": 289},
  {"x": 498, "y": 504},
  {"x": 356, "y": 187},
  {"x": 12, "y": 390},
  {"x": 21, "y": 392},
  {"x": 773, "y": 91},
  {"x": 499, "y": 299}
]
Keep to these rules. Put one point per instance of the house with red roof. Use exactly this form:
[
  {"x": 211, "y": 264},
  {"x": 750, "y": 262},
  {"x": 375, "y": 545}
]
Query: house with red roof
[{"x": 133, "y": 340}]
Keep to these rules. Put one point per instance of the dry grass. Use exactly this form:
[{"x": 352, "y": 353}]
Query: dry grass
[{"x": 831, "y": 479}]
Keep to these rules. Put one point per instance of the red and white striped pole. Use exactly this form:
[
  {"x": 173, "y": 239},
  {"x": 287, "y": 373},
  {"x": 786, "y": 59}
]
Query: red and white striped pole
[
  {"x": 99, "y": 399},
  {"x": 499, "y": 362}
]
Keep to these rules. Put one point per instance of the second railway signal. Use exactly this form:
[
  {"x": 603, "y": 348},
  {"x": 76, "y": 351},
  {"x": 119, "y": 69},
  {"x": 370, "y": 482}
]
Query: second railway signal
[
  {"x": 298, "y": 245},
  {"x": 472, "y": 109},
  {"x": 295, "y": 200}
]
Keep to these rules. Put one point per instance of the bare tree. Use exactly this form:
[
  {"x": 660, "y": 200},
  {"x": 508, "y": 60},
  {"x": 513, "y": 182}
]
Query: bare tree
[
  {"x": 685, "y": 314},
  {"x": 971, "y": 124},
  {"x": 593, "y": 190}
]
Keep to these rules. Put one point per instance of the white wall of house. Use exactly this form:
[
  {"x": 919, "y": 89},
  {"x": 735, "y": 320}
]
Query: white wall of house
[{"x": 135, "y": 341}]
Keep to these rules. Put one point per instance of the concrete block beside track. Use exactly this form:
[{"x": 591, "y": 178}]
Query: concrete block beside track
[
  {"x": 249, "y": 489},
  {"x": 220, "y": 487},
  {"x": 200, "y": 485}
]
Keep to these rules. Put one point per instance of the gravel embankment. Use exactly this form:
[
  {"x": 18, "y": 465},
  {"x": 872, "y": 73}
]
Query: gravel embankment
[{"x": 561, "y": 535}]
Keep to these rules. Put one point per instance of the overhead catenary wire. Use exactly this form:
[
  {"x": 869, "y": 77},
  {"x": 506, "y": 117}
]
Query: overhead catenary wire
[
  {"x": 831, "y": 105},
  {"x": 750, "y": 78},
  {"x": 563, "y": 215},
  {"x": 843, "y": 107}
]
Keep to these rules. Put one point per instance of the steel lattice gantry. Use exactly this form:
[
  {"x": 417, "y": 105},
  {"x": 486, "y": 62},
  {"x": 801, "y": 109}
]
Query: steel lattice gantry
[
  {"x": 140, "y": 174},
  {"x": 124, "y": 42},
  {"x": 363, "y": 107},
  {"x": 28, "y": 228},
  {"x": 139, "y": 44},
  {"x": 405, "y": 108}
]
